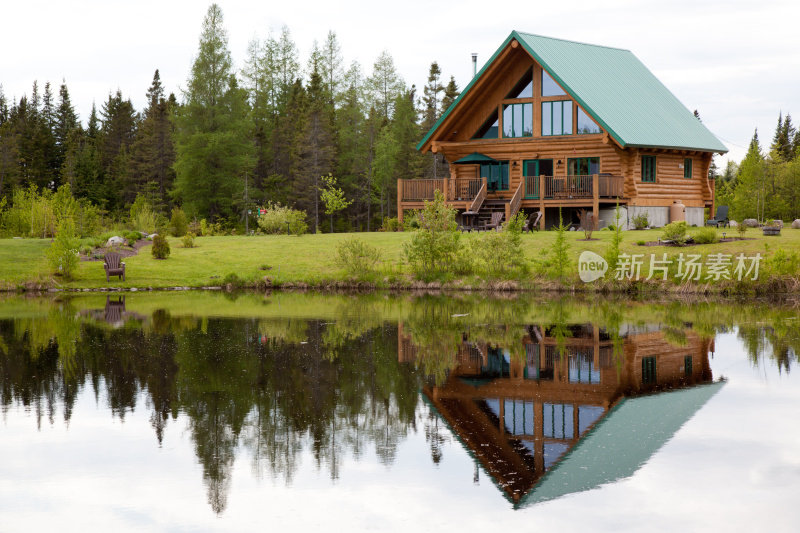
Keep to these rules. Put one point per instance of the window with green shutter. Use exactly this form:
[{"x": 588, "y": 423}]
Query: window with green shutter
[
  {"x": 687, "y": 168},
  {"x": 687, "y": 366},
  {"x": 648, "y": 370},
  {"x": 649, "y": 168}
]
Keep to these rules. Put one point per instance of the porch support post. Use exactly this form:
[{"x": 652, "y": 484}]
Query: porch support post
[
  {"x": 446, "y": 189},
  {"x": 400, "y": 201},
  {"x": 508, "y": 211},
  {"x": 541, "y": 201},
  {"x": 595, "y": 199}
]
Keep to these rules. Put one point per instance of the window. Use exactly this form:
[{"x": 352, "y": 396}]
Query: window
[
  {"x": 518, "y": 416},
  {"x": 687, "y": 366},
  {"x": 687, "y": 168},
  {"x": 496, "y": 175},
  {"x": 557, "y": 420},
  {"x": 489, "y": 129},
  {"x": 648, "y": 370},
  {"x": 583, "y": 166},
  {"x": 518, "y": 120},
  {"x": 524, "y": 87},
  {"x": 557, "y": 118},
  {"x": 582, "y": 370},
  {"x": 586, "y": 125},
  {"x": 649, "y": 168},
  {"x": 549, "y": 86}
]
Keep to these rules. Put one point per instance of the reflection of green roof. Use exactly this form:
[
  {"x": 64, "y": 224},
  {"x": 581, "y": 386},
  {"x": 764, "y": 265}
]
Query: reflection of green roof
[
  {"x": 621, "y": 442},
  {"x": 616, "y": 89},
  {"x": 473, "y": 158}
]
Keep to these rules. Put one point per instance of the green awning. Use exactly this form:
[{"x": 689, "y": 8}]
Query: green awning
[{"x": 475, "y": 159}]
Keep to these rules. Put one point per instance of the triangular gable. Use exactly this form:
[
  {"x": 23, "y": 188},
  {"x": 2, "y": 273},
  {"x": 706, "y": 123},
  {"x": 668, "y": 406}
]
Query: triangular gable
[{"x": 615, "y": 89}]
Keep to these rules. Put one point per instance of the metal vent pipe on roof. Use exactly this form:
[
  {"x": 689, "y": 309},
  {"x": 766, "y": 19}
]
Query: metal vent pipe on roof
[{"x": 474, "y": 64}]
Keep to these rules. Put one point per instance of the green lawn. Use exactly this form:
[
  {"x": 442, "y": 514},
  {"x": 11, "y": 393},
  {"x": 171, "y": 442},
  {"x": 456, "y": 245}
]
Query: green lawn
[{"x": 310, "y": 258}]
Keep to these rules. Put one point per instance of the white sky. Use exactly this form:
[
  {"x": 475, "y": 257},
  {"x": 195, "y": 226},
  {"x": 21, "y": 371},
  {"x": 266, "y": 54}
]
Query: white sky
[{"x": 736, "y": 61}]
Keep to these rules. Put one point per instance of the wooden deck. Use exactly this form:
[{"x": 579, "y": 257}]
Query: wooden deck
[{"x": 467, "y": 194}]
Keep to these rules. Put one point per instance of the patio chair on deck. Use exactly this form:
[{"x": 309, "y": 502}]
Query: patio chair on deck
[{"x": 114, "y": 265}]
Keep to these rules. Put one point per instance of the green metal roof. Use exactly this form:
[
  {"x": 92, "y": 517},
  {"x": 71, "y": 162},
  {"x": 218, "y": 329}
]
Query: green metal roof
[
  {"x": 616, "y": 89},
  {"x": 621, "y": 442}
]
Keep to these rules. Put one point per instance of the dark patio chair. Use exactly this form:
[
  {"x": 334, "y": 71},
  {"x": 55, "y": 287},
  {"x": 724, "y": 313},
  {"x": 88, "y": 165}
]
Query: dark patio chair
[
  {"x": 114, "y": 265},
  {"x": 532, "y": 223},
  {"x": 497, "y": 219},
  {"x": 720, "y": 218}
]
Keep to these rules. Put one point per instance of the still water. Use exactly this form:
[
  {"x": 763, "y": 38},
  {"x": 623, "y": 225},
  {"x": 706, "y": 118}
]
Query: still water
[{"x": 197, "y": 411}]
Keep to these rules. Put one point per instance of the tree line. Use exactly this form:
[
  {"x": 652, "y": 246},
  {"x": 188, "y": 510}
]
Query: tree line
[
  {"x": 236, "y": 139},
  {"x": 765, "y": 186}
]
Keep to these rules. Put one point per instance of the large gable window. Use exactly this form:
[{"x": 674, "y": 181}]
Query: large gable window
[
  {"x": 557, "y": 118},
  {"x": 518, "y": 120},
  {"x": 550, "y": 87},
  {"x": 489, "y": 129},
  {"x": 524, "y": 87},
  {"x": 586, "y": 125},
  {"x": 649, "y": 168}
]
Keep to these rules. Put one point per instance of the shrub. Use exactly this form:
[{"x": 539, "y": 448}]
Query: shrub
[
  {"x": 178, "y": 224},
  {"x": 500, "y": 254},
  {"x": 276, "y": 216},
  {"x": 188, "y": 240},
  {"x": 233, "y": 280},
  {"x": 640, "y": 221},
  {"x": 143, "y": 217},
  {"x": 640, "y": 243},
  {"x": 435, "y": 245},
  {"x": 784, "y": 263},
  {"x": 160, "y": 247},
  {"x": 706, "y": 236},
  {"x": 357, "y": 257},
  {"x": 390, "y": 224},
  {"x": 742, "y": 229},
  {"x": 131, "y": 236},
  {"x": 675, "y": 232},
  {"x": 63, "y": 252}
]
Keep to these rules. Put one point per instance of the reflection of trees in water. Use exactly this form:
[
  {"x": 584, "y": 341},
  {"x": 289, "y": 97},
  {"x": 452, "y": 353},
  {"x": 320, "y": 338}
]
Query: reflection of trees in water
[{"x": 270, "y": 395}]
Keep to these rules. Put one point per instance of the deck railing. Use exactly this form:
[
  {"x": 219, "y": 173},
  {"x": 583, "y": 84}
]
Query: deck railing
[
  {"x": 516, "y": 201},
  {"x": 531, "y": 186},
  {"x": 464, "y": 188},
  {"x": 611, "y": 186},
  {"x": 479, "y": 198},
  {"x": 417, "y": 190},
  {"x": 567, "y": 187}
]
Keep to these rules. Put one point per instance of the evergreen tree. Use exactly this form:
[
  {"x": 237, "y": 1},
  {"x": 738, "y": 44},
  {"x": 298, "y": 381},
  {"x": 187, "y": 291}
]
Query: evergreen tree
[
  {"x": 749, "y": 195},
  {"x": 153, "y": 152},
  {"x": 213, "y": 130},
  {"x": 352, "y": 148},
  {"x": 431, "y": 96},
  {"x": 66, "y": 122},
  {"x": 384, "y": 85},
  {"x": 451, "y": 92},
  {"x": 330, "y": 69}
]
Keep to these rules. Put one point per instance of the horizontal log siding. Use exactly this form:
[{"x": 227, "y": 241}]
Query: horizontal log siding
[{"x": 670, "y": 185}]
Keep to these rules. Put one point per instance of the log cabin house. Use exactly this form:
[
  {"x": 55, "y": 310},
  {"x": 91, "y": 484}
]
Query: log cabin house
[
  {"x": 549, "y": 124},
  {"x": 520, "y": 416}
]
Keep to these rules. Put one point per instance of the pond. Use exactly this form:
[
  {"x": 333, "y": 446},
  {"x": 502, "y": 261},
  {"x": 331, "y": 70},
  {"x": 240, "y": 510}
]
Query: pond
[{"x": 210, "y": 411}]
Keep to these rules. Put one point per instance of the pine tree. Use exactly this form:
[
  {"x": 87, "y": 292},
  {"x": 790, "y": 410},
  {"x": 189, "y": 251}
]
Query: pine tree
[
  {"x": 451, "y": 93},
  {"x": 748, "y": 197},
  {"x": 213, "y": 130},
  {"x": 431, "y": 96},
  {"x": 66, "y": 121},
  {"x": 330, "y": 68},
  {"x": 153, "y": 151}
]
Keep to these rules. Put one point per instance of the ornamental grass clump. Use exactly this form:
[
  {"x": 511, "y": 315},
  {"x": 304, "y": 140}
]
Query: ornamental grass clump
[
  {"x": 276, "y": 217},
  {"x": 706, "y": 236},
  {"x": 357, "y": 257}
]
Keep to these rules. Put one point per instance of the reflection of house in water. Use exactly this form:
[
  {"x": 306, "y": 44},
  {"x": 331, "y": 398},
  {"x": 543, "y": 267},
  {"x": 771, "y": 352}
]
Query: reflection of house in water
[{"x": 519, "y": 416}]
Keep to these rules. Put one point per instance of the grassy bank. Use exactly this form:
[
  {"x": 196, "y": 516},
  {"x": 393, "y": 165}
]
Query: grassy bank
[{"x": 310, "y": 260}]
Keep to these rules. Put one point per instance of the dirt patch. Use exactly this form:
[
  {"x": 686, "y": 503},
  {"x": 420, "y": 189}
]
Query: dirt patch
[{"x": 124, "y": 251}]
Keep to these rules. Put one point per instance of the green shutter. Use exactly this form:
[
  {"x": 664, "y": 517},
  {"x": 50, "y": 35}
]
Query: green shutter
[
  {"x": 687, "y": 168},
  {"x": 649, "y": 168}
]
